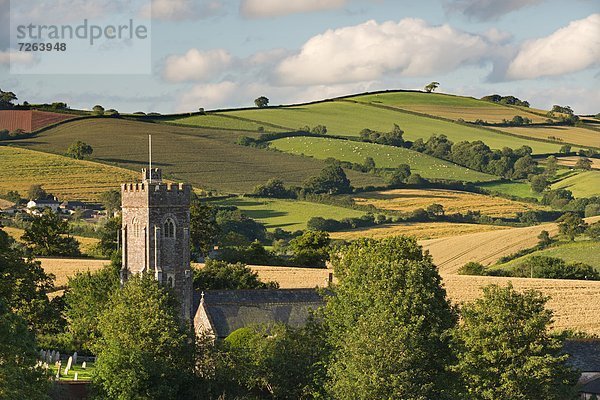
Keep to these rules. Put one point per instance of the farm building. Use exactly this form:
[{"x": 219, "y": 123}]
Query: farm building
[
  {"x": 52, "y": 204},
  {"x": 29, "y": 120},
  {"x": 220, "y": 312}
]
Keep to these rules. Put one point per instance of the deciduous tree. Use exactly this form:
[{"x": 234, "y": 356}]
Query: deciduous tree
[{"x": 48, "y": 236}]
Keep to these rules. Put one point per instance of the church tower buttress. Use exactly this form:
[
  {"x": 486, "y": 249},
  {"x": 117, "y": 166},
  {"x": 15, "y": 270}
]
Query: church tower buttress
[{"x": 156, "y": 234}]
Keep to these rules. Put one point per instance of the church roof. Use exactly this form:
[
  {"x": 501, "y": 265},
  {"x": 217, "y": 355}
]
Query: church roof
[
  {"x": 229, "y": 310},
  {"x": 585, "y": 354}
]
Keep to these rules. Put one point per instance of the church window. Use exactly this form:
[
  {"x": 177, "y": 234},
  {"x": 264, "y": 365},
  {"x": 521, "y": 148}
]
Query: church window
[
  {"x": 169, "y": 228},
  {"x": 136, "y": 228}
]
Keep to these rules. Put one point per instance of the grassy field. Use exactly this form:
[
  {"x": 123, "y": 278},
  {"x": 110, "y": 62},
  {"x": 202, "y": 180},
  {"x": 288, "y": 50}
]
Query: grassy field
[
  {"x": 568, "y": 134},
  {"x": 287, "y": 214},
  {"x": 420, "y": 230},
  {"x": 569, "y": 300},
  {"x": 451, "y": 253},
  {"x": 223, "y": 121},
  {"x": 584, "y": 184},
  {"x": 82, "y": 374},
  {"x": 66, "y": 178},
  {"x": 384, "y": 156},
  {"x": 586, "y": 251},
  {"x": 448, "y": 106},
  {"x": 348, "y": 118},
  {"x": 454, "y": 201},
  {"x": 206, "y": 158},
  {"x": 518, "y": 189}
]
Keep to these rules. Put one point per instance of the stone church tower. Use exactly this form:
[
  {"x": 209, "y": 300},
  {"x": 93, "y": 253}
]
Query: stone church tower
[{"x": 156, "y": 234}]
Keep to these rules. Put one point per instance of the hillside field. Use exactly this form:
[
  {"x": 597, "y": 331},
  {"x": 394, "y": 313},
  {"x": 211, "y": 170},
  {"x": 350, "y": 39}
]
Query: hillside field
[
  {"x": 449, "y": 106},
  {"x": 513, "y": 188},
  {"x": 586, "y": 251},
  {"x": 567, "y": 134},
  {"x": 289, "y": 215},
  {"x": 584, "y": 184},
  {"x": 223, "y": 121},
  {"x": 454, "y": 201},
  {"x": 66, "y": 178},
  {"x": 384, "y": 156},
  {"x": 86, "y": 244},
  {"x": 420, "y": 230},
  {"x": 348, "y": 118},
  {"x": 206, "y": 158}
]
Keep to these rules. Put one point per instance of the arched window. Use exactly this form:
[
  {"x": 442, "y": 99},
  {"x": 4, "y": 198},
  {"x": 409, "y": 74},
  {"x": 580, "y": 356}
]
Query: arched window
[
  {"x": 136, "y": 227},
  {"x": 169, "y": 228}
]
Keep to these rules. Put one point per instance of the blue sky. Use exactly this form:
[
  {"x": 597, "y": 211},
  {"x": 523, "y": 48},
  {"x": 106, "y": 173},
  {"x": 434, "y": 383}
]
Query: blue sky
[{"x": 225, "y": 53}]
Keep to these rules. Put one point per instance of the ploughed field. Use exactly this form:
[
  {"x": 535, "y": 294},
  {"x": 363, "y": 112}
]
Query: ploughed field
[{"x": 206, "y": 158}]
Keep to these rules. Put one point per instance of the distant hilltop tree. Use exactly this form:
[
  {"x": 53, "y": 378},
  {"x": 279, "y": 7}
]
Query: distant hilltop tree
[
  {"x": 510, "y": 100},
  {"x": 98, "y": 109},
  {"x": 261, "y": 102},
  {"x": 431, "y": 87}
]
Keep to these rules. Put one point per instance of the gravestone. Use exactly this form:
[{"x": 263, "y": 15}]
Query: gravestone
[
  {"x": 83, "y": 365},
  {"x": 57, "y": 356},
  {"x": 75, "y": 358},
  {"x": 75, "y": 375},
  {"x": 69, "y": 364}
]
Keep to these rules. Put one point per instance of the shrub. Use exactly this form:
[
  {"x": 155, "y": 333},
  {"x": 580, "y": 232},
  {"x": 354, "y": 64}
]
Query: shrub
[{"x": 472, "y": 268}]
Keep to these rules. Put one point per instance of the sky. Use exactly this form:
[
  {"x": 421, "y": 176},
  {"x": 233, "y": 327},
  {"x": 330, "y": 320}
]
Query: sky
[{"x": 225, "y": 53}]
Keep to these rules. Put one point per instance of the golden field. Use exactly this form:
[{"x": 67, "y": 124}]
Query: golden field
[
  {"x": 492, "y": 113},
  {"x": 420, "y": 230},
  {"x": 569, "y": 300},
  {"x": 454, "y": 201},
  {"x": 572, "y": 160},
  {"x": 568, "y": 134}
]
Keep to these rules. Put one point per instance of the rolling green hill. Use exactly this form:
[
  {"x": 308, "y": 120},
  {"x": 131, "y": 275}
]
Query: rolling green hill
[
  {"x": 586, "y": 251},
  {"x": 206, "y": 158},
  {"x": 384, "y": 156},
  {"x": 584, "y": 184},
  {"x": 289, "y": 215},
  {"x": 348, "y": 118}
]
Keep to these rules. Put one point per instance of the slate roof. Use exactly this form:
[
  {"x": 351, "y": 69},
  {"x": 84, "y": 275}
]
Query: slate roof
[
  {"x": 229, "y": 310},
  {"x": 592, "y": 387},
  {"x": 585, "y": 354}
]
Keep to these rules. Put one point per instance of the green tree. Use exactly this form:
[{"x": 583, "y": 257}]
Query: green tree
[
  {"x": 261, "y": 102},
  {"x": 6, "y": 99},
  {"x": 203, "y": 228},
  {"x": 218, "y": 275},
  {"x": 431, "y": 87},
  {"x": 571, "y": 225},
  {"x": 13, "y": 196},
  {"x": 565, "y": 149},
  {"x": 331, "y": 180},
  {"x": 86, "y": 298},
  {"x": 387, "y": 323},
  {"x": 416, "y": 180},
  {"x": 523, "y": 167},
  {"x": 144, "y": 350},
  {"x": 311, "y": 248},
  {"x": 551, "y": 166},
  {"x": 79, "y": 150},
  {"x": 435, "y": 210},
  {"x": 400, "y": 175},
  {"x": 24, "y": 286},
  {"x": 274, "y": 188},
  {"x": 369, "y": 163},
  {"x": 111, "y": 201},
  {"x": 584, "y": 163},
  {"x": 472, "y": 268},
  {"x": 539, "y": 183},
  {"x": 48, "y": 236},
  {"x": 554, "y": 268},
  {"x": 109, "y": 233},
  {"x": 36, "y": 192},
  {"x": 593, "y": 231},
  {"x": 505, "y": 350},
  {"x": 19, "y": 376},
  {"x": 98, "y": 110},
  {"x": 544, "y": 239}
]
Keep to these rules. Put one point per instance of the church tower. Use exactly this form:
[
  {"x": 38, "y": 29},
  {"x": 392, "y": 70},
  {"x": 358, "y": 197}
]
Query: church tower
[{"x": 156, "y": 234}]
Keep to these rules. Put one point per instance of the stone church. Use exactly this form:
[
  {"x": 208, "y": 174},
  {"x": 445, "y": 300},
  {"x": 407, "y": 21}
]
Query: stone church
[{"x": 155, "y": 238}]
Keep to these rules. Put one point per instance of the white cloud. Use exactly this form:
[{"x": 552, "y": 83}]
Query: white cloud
[
  {"x": 211, "y": 95},
  {"x": 16, "y": 57},
  {"x": 484, "y": 10},
  {"x": 275, "y": 8},
  {"x": 367, "y": 51},
  {"x": 178, "y": 10},
  {"x": 196, "y": 65},
  {"x": 573, "y": 48},
  {"x": 63, "y": 11}
]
